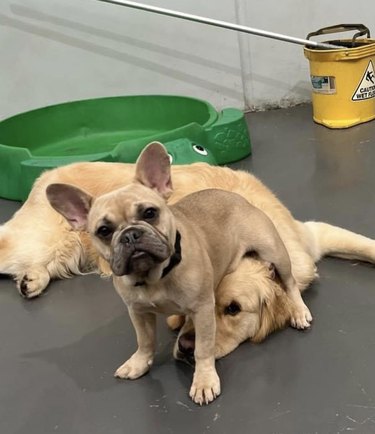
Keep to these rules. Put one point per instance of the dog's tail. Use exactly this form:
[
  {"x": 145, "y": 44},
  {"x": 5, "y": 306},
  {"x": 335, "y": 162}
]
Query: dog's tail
[{"x": 324, "y": 239}]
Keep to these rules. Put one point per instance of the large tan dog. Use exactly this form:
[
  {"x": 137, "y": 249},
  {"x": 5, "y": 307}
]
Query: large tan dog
[
  {"x": 37, "y": 245},
  {"x": 170, "y": 259}
]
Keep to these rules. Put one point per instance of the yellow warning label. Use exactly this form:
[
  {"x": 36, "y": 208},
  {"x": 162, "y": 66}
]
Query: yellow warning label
[{"x": 366, "y": 87}]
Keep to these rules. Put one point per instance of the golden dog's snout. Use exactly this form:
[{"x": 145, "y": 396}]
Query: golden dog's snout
[{"x": 186, "y": 344}]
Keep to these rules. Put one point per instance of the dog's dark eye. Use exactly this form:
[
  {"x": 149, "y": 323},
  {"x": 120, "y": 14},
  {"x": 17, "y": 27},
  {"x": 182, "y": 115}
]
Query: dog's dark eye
[
  {"x": 150, "y": 213},
  {"x": 232, "y": 309},
  {"x": 104, "y": 231}
]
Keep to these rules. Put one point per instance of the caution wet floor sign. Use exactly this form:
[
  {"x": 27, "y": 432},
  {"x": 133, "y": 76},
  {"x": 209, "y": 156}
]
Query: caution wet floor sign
[{"x": 366, "y": 87}]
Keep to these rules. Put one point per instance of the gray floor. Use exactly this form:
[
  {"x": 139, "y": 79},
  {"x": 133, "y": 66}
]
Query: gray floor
[{"x": 58, "y": 352}]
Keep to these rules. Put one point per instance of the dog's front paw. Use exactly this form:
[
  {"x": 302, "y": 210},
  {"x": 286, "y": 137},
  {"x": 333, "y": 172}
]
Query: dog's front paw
[
  {"x": 33, "y": 283},
  {"x": 134, "y": 368},
  {"x": 205, "y": 388},
  {"x": 301, "y": 317}
]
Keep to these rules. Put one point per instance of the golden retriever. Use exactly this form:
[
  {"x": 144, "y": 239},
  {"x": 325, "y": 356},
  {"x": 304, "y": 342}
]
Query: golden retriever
[{"x": 38, "y": 245}]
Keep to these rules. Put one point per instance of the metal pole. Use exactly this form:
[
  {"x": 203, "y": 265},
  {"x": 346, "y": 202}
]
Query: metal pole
[{"x": 224, "y": 24}]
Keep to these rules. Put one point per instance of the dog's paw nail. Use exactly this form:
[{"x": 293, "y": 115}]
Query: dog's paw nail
[
  {"x": 122, "y": 372},
  {"x": 205, "y": 393},
  {"x": 301, "y": 318},
  {"x": 23, "y": 286},
  {"x": 133, "y": 368}
]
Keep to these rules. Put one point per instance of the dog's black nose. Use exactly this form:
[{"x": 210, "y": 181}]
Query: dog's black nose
[
  {"x": 186, "y": 344},
  {"x": 130, "y": 236}
]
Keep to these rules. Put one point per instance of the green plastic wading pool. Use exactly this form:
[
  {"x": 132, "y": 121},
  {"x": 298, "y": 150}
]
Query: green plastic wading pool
[{"x": 116, "y": 129}]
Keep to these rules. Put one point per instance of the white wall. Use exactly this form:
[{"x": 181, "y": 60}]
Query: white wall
[
  {"x": 53, "y": 50},
  {"x": 278, "y": 73}
]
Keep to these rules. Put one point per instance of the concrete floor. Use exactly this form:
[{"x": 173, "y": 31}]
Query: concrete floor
[{"x": 58, "y": 352}]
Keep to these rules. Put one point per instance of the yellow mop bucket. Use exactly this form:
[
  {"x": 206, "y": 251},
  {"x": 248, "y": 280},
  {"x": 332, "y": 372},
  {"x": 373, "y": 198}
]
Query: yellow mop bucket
[{"x": 343, "y": 80}]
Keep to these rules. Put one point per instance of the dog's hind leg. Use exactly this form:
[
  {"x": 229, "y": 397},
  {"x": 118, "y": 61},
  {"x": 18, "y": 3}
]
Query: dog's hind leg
[
  {"x": 324, "y": 239},
  {"x": 260, "y": 235},
  {"x": 275, "y": 252}
]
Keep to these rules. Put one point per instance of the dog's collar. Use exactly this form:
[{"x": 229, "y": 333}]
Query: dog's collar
[
  {"x": 173, "y": 262},
  {"x": 176, "y": 257}
]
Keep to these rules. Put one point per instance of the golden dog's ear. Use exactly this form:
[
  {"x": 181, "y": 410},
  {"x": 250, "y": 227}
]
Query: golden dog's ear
[
  {"x": 275, "y": 314},
  {"x": 71, "y": 202},
  {"x": 153, "y": 169}
]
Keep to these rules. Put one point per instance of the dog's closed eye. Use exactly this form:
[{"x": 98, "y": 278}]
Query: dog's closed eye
[{"x": 232, "y": 309}]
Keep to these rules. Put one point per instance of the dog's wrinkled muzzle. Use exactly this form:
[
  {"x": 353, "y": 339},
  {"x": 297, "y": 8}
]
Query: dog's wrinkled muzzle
[{"x": 136, "y": 250}]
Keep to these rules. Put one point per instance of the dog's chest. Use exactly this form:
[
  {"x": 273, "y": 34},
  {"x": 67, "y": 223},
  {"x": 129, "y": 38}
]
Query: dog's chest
[{"x": 150, "y": 299}]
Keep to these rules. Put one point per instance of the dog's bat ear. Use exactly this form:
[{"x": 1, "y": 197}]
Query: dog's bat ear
[
  {"x": 71, "y": 202},
  {"x": 154, "y": 169},
  {"x": 275, "y": 314}
]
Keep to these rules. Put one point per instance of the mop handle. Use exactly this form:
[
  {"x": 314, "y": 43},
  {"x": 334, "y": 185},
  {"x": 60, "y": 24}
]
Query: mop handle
[{"x": 219, "y": 23}]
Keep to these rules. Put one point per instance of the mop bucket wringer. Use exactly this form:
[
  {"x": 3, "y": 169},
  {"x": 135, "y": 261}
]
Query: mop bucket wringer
[{"x": 343, "y": 79}]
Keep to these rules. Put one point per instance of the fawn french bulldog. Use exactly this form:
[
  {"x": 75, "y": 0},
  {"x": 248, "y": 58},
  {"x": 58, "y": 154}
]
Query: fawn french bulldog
[{"x": 170, "y": 259}]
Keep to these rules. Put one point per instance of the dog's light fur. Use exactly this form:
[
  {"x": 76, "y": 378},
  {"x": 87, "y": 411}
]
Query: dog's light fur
[{"x": 37, "y": 244}]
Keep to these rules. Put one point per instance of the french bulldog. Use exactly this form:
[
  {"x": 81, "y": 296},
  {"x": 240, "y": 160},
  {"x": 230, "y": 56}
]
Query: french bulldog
[{"x": 170, "y": 259}]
